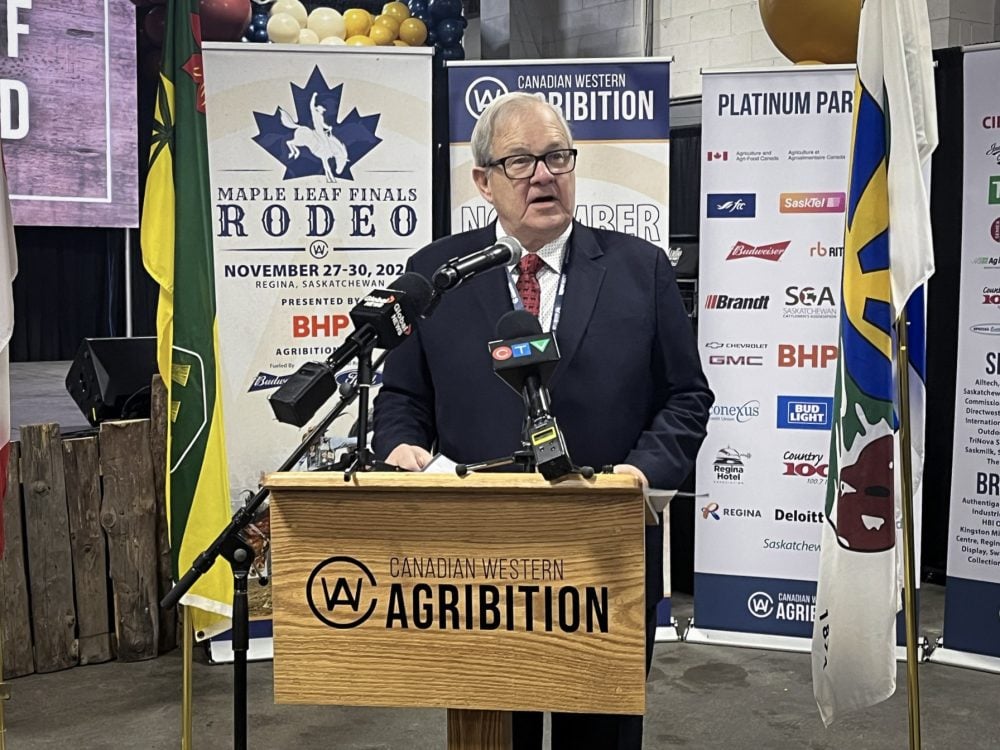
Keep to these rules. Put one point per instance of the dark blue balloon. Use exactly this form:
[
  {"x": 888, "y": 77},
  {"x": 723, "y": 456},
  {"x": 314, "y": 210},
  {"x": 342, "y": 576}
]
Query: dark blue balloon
[
  {"x": 452, "y": 53},
  {"x": 417, "y": 6},
  {"x": 449, "y": 32},
  {"x": 257, "y": 34},
  {"x": 431, "y": 38},
  {"x": 442, "y": 9},
  {"x": 426, "y": 17}
]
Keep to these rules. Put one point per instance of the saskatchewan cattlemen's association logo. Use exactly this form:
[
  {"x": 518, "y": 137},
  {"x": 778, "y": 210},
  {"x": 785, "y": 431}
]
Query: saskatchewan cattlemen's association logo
[{"x": 309, "y": 139}]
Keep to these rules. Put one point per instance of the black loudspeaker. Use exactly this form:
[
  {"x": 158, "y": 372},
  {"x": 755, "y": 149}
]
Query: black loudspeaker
[{"x": 110, "y": 378}]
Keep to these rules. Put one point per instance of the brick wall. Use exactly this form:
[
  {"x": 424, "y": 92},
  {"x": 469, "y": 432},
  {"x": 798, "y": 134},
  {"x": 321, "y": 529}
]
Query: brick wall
[{"x": 696, "y": 33}]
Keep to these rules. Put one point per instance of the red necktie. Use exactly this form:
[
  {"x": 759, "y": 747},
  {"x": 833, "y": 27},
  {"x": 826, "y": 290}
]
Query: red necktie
[{"x": 527, "y": 282}]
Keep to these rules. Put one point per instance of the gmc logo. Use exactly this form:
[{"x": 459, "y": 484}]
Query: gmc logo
[{"x": 741, "y": 360}]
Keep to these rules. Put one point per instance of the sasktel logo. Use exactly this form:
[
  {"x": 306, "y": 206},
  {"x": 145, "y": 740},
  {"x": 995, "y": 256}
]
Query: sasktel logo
[
  {"x": 812, "y": 203},
  {"x": 772, "y": 252},
  {"x": 728, "y": 302}
]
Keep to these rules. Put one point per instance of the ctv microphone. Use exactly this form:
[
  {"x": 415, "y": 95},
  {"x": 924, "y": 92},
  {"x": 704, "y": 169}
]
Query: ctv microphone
[
  {"x": 383, "y": 319},
  {"x": 506, "y": 250},
  {"x": 524, "y": 358}
]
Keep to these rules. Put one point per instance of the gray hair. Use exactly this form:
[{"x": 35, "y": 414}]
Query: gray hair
[{"x": 501, "y": 109}]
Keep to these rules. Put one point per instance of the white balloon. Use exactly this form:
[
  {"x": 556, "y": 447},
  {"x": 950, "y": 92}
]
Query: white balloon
[
  {"x": 283, "y": 28},
  {"x": 294, "y": 8},
  {"x": 308, "y": 36},
  {"x": 333, "y": 40},
  {"x": 327, "y": 22}
]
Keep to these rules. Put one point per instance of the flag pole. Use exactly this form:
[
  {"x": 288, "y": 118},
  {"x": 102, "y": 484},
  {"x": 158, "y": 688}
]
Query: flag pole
[
  {"x": 909, "y": 566},
  {"x": 188, "y": 655},
  {"x": 4, "y": 696}
]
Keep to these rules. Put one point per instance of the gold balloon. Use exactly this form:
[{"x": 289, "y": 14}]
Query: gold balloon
[
  {"x": 813, "y": 30},
  {"x": 382, "y": 35},
  {"x": 399, "y": 11},
  {"x": 357, "y": 22},
  {"x": 399, "y": 43},
  {"x": 389, "y": 22},
  {"x": 413, "y": 32},
  {"x": 359, "y": 41}
]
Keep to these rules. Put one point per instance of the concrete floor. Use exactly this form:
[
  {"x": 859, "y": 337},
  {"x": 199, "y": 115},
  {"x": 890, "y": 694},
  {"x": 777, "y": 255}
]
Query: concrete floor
[{"x": 699, "y": 696}]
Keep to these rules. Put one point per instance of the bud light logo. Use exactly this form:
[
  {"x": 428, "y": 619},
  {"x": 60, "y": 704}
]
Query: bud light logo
[
  {"x": 805, "y": 412},
  {"x": 481, "y": 93}
]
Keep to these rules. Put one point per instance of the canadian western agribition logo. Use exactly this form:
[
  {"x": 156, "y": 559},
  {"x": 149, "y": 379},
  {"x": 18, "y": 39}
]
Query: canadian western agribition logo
[{"x": 309, "y": 139}]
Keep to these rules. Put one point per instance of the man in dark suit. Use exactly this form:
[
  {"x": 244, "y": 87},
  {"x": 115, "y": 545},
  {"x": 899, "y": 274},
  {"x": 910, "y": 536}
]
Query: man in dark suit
[{"x": 628, "y": 390}]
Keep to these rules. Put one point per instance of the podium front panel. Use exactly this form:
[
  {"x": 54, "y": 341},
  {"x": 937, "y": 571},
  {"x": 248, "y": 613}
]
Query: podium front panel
[{"x": 498, "y": 591}]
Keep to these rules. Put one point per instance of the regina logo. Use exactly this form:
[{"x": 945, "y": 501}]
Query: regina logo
[
  {"x": 336, "y": 592},
  {"x": 481, "y": 93},
  {"x": 760, "y": 604}
]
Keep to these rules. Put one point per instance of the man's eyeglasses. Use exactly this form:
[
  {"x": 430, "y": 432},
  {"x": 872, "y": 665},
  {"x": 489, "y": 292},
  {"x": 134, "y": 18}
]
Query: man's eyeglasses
[{"x": 523, "y": 166}]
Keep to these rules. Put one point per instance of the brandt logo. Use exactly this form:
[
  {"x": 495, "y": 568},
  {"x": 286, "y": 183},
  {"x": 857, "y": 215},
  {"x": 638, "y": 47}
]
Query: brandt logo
[{"x": 336, "y": 592}]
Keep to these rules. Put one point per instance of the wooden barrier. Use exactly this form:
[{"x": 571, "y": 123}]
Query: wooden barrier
[{"x": 85, "y": 525}]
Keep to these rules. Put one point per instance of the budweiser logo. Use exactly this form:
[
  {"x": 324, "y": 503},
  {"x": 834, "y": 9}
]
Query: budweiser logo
[{"x": 774, "y": 251}]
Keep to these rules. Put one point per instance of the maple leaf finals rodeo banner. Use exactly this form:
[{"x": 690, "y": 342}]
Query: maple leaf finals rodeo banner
[
  {"x": 320, "y": 163},
  {"x": 619, "y": 114}
]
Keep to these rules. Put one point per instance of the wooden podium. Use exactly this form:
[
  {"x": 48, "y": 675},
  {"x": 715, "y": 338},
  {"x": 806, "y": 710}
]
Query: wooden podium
[{"x": 483, "y": 595}]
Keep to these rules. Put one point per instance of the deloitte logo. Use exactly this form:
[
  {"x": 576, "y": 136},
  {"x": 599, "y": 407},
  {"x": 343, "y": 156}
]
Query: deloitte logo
[
  {"x": 335, "y": 592},
  {"x": 481, "y": 93}
]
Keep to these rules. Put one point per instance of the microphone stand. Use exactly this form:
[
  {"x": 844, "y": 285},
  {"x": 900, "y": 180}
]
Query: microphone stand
[
  {"x": 231, "y": 545},
  {"x": 523, "y": 457}
]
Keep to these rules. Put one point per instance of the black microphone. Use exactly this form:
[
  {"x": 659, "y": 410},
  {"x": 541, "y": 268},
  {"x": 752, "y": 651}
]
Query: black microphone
[
  {"x": 524, "y": 357},
  {"x": 507, "y": 250},
  {"x": 383, "y": 319}
]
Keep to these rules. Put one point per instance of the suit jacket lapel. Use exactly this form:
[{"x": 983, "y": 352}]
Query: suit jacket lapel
[
  {"x": 491, "y": 289},
  {"x": 584, "y": 276}
]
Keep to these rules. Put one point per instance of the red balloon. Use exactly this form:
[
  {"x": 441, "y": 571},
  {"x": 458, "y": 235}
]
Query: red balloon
[
  {"x": 155, "y": 24},
  {"x": 224, "y": 20}
]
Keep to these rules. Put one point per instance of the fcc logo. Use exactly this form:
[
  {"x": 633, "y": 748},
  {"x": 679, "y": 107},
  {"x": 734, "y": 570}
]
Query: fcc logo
[
  {"x": 481, "y": 93},
  {"x": 340, "y": 592}
]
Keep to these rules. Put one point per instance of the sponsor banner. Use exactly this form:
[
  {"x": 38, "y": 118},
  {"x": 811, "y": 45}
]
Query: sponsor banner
[
  {"x": 972, "y": 597},
  {"x": 321, "y": 189},
  {"x": 618, "y": 112},
  {"x": 774, "y": 182},
  {"x": 68, "y": 112}
]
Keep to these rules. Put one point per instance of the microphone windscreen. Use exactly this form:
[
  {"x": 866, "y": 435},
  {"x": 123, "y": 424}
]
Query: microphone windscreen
[
  {"x": 518, "y": 324},
  {"x": 515, "y": 247},
  {"x": 417, "y": 292}
]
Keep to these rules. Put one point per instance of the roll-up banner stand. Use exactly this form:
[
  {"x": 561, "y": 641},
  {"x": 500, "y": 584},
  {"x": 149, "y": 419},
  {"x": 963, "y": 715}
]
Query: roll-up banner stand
[
  {"x": 972, "y": 593},
  {"x": 774, "y": 190},
  {"x": 619, "y": 113},
  {"x": 320, "y": 162}
]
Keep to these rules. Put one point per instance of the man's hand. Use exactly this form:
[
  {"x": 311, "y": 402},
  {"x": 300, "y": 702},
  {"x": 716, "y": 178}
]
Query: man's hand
[
  {"x": 410, "y": 457},
  {"x": 634, "y": 471}
]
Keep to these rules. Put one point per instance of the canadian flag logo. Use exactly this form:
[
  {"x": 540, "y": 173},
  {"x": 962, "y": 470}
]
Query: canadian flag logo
[{"x": 718, "y": 155}]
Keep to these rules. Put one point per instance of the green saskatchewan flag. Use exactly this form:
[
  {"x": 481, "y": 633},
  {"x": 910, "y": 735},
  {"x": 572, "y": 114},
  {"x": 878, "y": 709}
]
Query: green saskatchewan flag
[{"x": 177, "y": 252}]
